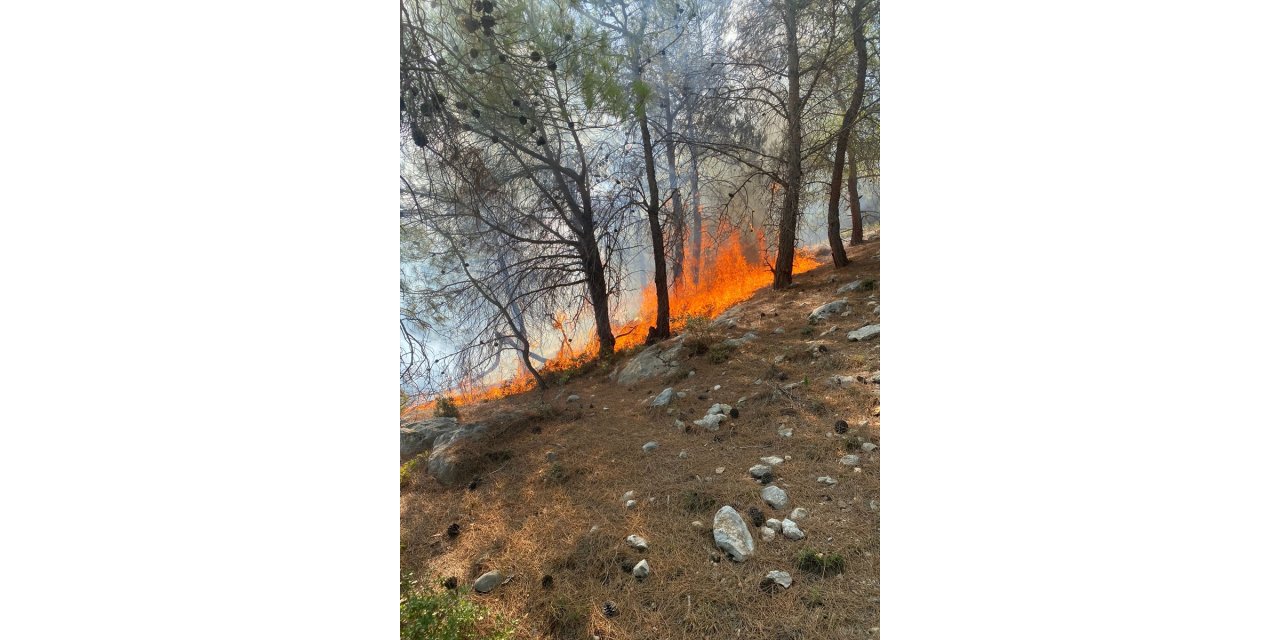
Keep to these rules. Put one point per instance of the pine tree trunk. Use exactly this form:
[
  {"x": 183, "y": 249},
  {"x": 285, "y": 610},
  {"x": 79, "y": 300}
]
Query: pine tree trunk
[
  {"x": 860, "y": 87},
  {"x": 677, "y": 205},
  {"x": 655, "y": 230},
  {"x": 838, "y": 256},
  {"x": 791, "y": 201}
]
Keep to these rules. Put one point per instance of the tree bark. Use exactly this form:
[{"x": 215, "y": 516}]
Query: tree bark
[
  {"x": 677, "y": 205},
  {"x": 791, "y": 200},
  {"x": 860, "y": 87},
  {"x": 663, "y": 327},
  {"x": 838, "y": 256}
]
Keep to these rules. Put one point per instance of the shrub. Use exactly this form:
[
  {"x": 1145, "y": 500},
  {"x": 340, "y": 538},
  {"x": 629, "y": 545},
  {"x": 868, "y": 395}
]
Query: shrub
[
  {"x": 820, "y": 563},
  {"x": 407, "y": 469},
  {"x": 719, "y": 353},
  {"x": 445, "y": 408},
  {"x": 429, "y": 612}
]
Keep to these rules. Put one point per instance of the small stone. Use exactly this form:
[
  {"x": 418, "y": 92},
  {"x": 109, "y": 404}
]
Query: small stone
[
  {"x": 488, "y": 582},
  {"x": 767, "y": 534},
  {"x": 779, "y": 578},
  {"x": 637, "y": 542},
  {"x": 641, "y": 570},
  {"x": 774, "y": 496},
  {"x": 715, "y": 388},
  {"x": 779, "y": 330},
  {"x": 663, "y": 398},
  {"x": 683, "y": 455},
  {"x": 799, "y": 513},
  {"x": 719, "y": 470},
  {"x": 628, "y": 495},
  {"x": 631, "y": 504},
  {"x": 849, "y": 460},
  {"x": 873, "y": 505},
  {"x": 594, "y": 528},
  {"x": 841, "y": 381},
  {"x": 869, "y": 446},
  {"x": 771, "y": 460},
  {"x": 827, "y": 480},
  {"x": 573, "y": 398},
  {"x": 650, "y": 446},
  {"x": 759, "y": 471},
  {"x": 785, "y": 431},
  {"x": 773, "y": 524},
  {"x": 696, "y": 524},
  {"x": 791, "y": 530}
]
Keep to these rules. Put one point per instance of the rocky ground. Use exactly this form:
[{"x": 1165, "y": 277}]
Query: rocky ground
[{"x": 724, "y": 483}]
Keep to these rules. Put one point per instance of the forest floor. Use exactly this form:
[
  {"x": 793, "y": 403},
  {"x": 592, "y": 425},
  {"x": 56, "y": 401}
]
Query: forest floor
[{"x": 530, "y": 514}]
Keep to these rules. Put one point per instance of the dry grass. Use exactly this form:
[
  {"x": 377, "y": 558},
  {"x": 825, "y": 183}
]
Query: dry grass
[{"x": 532, "y": 517}]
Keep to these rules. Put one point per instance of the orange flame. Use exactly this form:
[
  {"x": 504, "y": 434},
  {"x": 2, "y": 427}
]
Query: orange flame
[{"x": 730, "y": 273}]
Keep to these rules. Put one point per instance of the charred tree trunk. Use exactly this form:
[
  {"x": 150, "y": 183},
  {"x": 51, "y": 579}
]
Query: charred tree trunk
[
  {"x": 791, "y": 201},
  {"x": 677, "y": 205},
  {"x": 597, "y": 288},
  {"x": 838, "y": 257},
  {"x": 695, "y": 235},
  {"x": 860, "y": 87},
  {"x": 663, "y": 327}
]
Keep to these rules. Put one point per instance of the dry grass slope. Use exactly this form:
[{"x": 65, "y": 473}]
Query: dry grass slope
[{"x": 532, "y": 517}]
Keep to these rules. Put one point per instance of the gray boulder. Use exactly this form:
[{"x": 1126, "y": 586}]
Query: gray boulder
[
  {"x": 738, "y": 342},
  {"x": 421, "y": 436},
  {"x": 663, "y": 398},
  {"x": 650, "y": 446},
  {"x": 732, "y": 535},
  {"x": 827, "y": 480},
  {"x": 866, "y": 333},
  {"x": 760, "y": 471},
  {"x": 857, "y": 285},
  {"x": 849, "y": 460},
  {"x": 828, "y": 310},
  {"x": 652, "y": 362},
  {"x": 774, "y": 496},
  {"x": 488, "y": 582}
]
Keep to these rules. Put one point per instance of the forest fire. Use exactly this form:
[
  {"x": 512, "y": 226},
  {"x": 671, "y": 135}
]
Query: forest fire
[{"x": 729, "y": 275}]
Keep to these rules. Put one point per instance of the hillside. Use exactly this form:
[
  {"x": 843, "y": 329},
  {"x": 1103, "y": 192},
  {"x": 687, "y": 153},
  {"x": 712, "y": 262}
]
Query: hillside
[{"x": 539, "y": 494}]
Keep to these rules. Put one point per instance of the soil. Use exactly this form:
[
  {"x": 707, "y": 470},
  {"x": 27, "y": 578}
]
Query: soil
[{"x": 531, "y": 516}]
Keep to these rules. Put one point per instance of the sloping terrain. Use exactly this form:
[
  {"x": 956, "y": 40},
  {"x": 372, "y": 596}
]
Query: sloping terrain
[{"x": 541, "y": 497}]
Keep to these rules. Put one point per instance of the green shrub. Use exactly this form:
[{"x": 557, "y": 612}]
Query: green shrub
[
  {"x": 431, "y": 612},
  {"x": 445, "y": 408},
  {"x": 820, "y": 563},
  {"x": 407, "y": 469},
  {"x": 719, "y": 353}
]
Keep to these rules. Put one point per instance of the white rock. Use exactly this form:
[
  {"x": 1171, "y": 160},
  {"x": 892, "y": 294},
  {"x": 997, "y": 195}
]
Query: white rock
[
  {"x": 780, "y": 578},
  {"x": 827, "y": 480},
  {"x": 628, "y": 495},
  {"x": 720, "y": 408},
  {"x": 865, "y": 333},
  {"x": 791, "y": 530},
  {"x": 799, "y": 513},
  {"x": 641, "y": 570},
  {"x": 774, "y": 496},
  {"x": 771, "y": 460},
  {"x": 663, "y": 398},
  {"x": 841, "y": 381},
  {"x": 573, "y": 398},
  {"x": 767, "y": 534},
  {"x": 719, "y": 470},
  {"x": 696, "y": 524},
  {"x": 773, "y": 523},
  {"x": 650, "y": 446},
  {"x": 683, "y": 455},
  {"x": 849, "y": 460},
  {"x": 732, "y": 535},
  {"x": 869, "y": 446},
  {"x": 637, "y": 542},
  {"x": 785, "y": 431},
  {"x": 760, "y": 470},
  {"x": 715, "y": 388},
  {"x": 829, "y": 309},
  {"x": 711, "y": 422},
  {"x": 631, "y": 504}
]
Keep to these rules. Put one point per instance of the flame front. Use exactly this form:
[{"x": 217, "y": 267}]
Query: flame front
[{"x": 729, "y": 274}]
